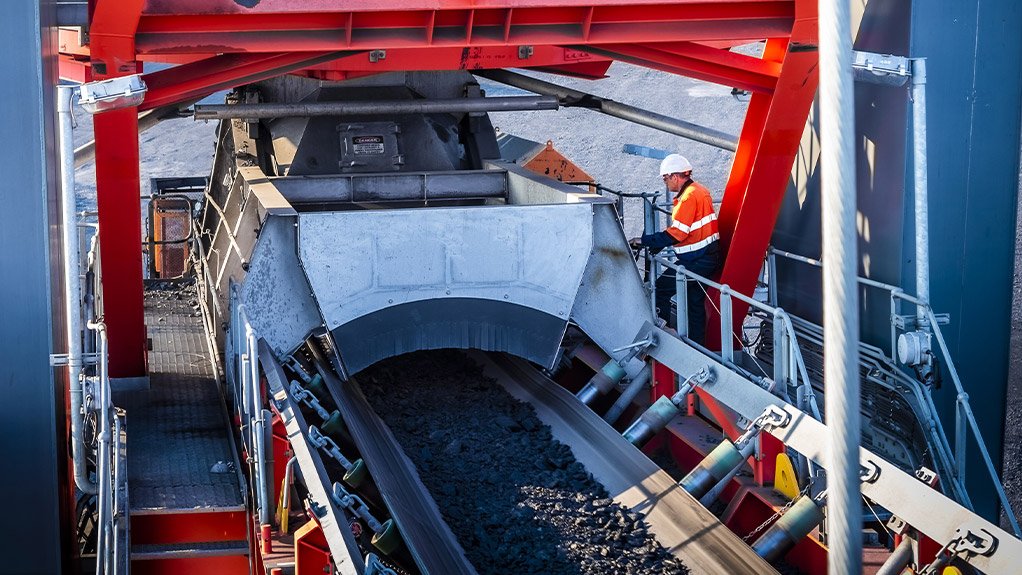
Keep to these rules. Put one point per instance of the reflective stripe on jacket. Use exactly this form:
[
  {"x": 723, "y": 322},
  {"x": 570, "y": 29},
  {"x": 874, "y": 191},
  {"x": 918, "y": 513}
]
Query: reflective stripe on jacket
[{"x": 694, "y": 223}]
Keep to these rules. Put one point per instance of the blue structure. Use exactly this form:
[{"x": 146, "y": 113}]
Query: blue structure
[
  {"x": 34, "y": 396},
  {"x": 974, "y": 98}
]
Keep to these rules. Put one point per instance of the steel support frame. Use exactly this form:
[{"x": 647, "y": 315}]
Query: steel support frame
[
  {"x": 112, "y": 54},
  {"x": 925, "y": 509},
  {"x": 678, "y": 37},
  {"x": 554, "y": 59},
  {"x": 189, "y": 26},
  {"x": 720, "y": 66},
  {"x": 195, "y": 80},
  {"x": 767, "y": 147}
]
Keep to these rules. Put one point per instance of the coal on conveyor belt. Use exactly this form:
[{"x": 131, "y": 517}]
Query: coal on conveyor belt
[{"x": 515, "y": 497}]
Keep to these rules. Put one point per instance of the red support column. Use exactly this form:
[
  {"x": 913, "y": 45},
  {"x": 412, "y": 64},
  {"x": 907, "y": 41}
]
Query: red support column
[
  {"x": 762, "y": 167},
  {"x": 120, "y": 224},
  {"x": 112, "y": 33}
]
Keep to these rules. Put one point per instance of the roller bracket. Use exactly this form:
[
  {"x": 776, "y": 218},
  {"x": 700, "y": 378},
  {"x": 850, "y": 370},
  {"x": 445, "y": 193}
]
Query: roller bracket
[
  {"x": 357, "y": 506},
  {"x": 897, "y": 525},
  {"x": 974, "y": 542},
  {"x": 638, "y": 347},
  {"x": 927, "y": 476},
  {"x": 773, "y": 417},
  {"x": 869, "y": 472}
]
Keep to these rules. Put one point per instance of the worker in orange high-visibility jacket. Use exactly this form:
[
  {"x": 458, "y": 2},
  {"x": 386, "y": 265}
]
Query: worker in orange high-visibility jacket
[{"x": 693, "y": 236}]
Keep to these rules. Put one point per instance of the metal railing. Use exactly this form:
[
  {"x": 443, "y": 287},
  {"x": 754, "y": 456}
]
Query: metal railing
[
  {"x": 789, "y": 369},
  {"x": 112, "y": 552},
  {"x": 244, "y": 383},
  {"x": 789, "y": 365},
  {"x": 965, "y": 419}
]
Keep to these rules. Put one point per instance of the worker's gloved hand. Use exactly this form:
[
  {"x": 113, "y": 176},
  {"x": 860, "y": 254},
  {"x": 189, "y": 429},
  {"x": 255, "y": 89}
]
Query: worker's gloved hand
[{"x": 635, "y": 243}]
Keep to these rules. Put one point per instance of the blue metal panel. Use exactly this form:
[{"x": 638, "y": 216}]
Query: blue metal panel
[
  {"x": 974, "y": 99},
  {"x": 31, "y": 429},
  {"x": 881, "y": 126}
]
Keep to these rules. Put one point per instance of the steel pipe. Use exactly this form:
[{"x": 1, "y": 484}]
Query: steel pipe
[
  {"x": 354, "y": 108},
  {"x": 104, "y": 488},
  {"x": 803, "y": 516},
  {"x": 922, "y": 218},
  {"x": 285, "y": 490},
  {"x": 602, "y": 382},
  {"x": 899, "y": 559},
  {"x": 575, "y": 98},
  {"x": 840, "y": 297},
  {"x": 258, "y": 424},
  {"x": 633, "y": 389},
  {"x": 72, "y": 287}
]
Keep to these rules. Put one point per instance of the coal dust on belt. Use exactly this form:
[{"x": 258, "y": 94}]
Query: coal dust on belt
[{"x": 515, "y": 497}]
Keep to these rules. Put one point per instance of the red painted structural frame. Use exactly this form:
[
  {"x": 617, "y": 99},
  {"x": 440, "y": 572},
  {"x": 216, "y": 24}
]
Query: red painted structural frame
[
  {"x": 767, "y": 147},
  {"x": 670, "y": 36},
  {"x": 112, "y": 53}
]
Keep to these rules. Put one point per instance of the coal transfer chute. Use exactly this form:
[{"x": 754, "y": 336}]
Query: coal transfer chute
[{"x": 403, "y": 231}]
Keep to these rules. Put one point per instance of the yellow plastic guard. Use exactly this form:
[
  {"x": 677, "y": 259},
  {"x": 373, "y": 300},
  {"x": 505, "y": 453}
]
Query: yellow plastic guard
[
  {"x": 785, "y": 480},
  {"x": 951, "y": 571}
]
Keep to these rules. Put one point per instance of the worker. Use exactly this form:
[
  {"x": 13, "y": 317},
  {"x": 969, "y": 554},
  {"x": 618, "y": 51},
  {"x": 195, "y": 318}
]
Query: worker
[{"x": 694, "y": 237}]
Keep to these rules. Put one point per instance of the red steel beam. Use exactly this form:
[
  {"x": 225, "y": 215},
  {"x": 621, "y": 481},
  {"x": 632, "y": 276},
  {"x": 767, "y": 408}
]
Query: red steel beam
[
  {"x": 699, "y": 62},
  {"x": 74, "y": 70},
  {"x": 554, "y": 58},
  {"x": 112, "y": 37},
  {"x": 762, "y": 167},
  {"x": 155, "y": 7},
  {"x": 367, "y": 25},
  {"x": 198, "y": 79},
  {"x": 112, "y": 53}
]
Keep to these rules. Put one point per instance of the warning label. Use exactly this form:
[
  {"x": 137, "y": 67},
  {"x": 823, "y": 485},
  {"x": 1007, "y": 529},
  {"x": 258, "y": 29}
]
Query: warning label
[{"x": 367, "y": 145}]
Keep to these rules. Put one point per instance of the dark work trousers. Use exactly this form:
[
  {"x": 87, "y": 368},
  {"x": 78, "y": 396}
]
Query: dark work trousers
[{"x": 704, "y": 262}]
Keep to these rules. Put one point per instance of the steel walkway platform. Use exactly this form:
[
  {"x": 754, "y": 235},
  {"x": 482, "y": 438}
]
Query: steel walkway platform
[{"x": 180, "y": 455}]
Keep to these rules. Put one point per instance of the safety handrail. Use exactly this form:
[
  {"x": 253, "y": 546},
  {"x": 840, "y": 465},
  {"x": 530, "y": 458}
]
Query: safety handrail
[
  {"x": 789, "y": 366},
  {"x": 243, "y": 374},
  {"x": 111, "y": 477},
  {"x": 963, "y": 408},
  {"x": 109, "y": 549},
  {"x": 788, "y": 361}
]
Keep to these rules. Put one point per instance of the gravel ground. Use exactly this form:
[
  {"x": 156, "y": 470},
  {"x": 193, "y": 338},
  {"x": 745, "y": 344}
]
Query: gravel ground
[{"x": 514, "y": 496}]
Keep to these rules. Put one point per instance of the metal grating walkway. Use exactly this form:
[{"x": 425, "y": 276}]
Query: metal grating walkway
[{"x": 179, "y": 453}]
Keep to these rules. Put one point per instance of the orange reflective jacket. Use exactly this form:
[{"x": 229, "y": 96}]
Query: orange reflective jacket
[{"x": 694, "y": 223}]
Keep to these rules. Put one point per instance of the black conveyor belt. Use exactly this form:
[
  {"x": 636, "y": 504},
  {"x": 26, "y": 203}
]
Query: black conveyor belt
[
  {"x": 427, "y": 536},
  {"x": 686, "y": 528}
]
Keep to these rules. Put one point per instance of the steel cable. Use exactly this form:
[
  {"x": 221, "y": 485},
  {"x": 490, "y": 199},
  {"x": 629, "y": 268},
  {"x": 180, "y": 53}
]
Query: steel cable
[{"x": 840, "y": 307}]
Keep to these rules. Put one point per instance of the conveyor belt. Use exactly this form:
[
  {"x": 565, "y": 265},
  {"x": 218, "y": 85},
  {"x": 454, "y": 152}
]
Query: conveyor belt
[
  {"x": 681, "y": 524},
  {"x": 343, "y": 548},
  {"x": 427, "y": 536}
]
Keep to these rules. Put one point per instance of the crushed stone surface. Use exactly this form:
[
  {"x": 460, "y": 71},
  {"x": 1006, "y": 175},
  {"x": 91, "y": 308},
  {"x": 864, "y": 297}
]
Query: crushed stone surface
[{"x": 515, "y": 497}]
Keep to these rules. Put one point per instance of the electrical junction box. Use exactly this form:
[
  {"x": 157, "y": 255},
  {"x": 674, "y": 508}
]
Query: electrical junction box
[{"x": 370, "y": 147}]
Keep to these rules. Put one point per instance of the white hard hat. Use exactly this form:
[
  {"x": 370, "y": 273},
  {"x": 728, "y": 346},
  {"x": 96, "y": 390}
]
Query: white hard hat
[{"x": 675, "y": 164}]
